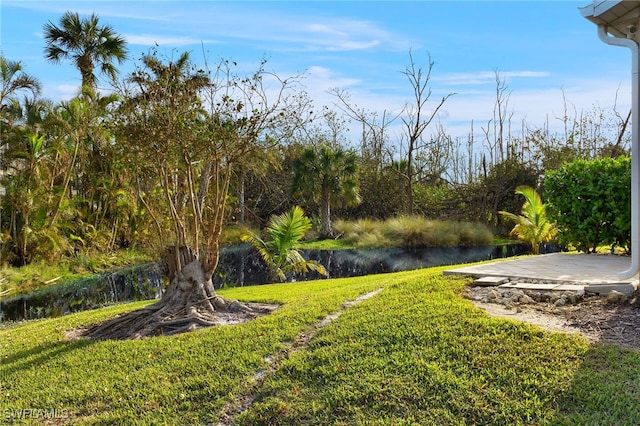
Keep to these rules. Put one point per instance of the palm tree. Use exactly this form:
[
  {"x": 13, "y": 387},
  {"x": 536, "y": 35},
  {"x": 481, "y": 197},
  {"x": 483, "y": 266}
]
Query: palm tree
[
  {"x": 13, "y": 79},
  {"x": 13, "y": 82},
  {"x": 279, "y": 251},
  {"x": 327, "y": 175},
  {"x": 532, "y": 225},
  {"x": 87, "y": 44}
]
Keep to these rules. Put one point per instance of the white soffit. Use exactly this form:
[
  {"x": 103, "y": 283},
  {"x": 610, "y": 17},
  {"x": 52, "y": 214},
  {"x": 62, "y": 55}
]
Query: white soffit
[{"x": 621, "y": 17}]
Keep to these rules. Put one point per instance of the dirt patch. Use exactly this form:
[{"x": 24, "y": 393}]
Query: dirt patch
[{"x": 593, "y": 317}]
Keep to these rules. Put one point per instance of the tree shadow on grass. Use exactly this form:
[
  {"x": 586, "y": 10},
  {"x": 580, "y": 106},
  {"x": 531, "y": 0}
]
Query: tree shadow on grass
[
  {"x": 38, "y": 355},
  {"x": 605, "y": 389}
]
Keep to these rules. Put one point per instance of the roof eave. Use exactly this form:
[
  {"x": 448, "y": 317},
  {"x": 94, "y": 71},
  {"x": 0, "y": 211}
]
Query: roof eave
[{"x": 618, "y": 16}]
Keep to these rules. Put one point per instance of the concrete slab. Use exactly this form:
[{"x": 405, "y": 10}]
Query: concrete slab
[
  {"x": 545, "y": 287},
  {"x": 490, "y": 281},
  {"x": 569, "y": 287},
  {"x": 604, "y": 289},
  {"x": 578, "y": 269},
  {"x": 531, "y": 286}
]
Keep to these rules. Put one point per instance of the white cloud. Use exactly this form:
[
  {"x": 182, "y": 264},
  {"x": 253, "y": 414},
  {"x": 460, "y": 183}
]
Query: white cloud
[
  {"x": 531, "y": 107},
  {"x": 325, "y": 30},
  {"x": 61, "y": 92},
  {"x": 353, "y": 45},
  {"x": 165, "y": 41},
  {"x": 486, "y": 77},
  {"x": 270, "y": 26},
  {"x": 537, "y": 106}
]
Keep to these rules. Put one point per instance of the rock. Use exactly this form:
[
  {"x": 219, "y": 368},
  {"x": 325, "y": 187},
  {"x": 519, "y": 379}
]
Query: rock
[
  {"x": 508, "y": 303},
  {"x": 573, "y": 298},
  {"x": 560, "y": 302},
  {"x": 526, "y": 300},
  {"x": 615, "y": 296},
  {"x": 543, "y": 297}
]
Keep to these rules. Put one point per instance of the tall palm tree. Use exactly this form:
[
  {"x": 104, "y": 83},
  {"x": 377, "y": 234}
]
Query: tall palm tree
[
  {"x": 532, "y": 225},
  {"x": 328, "y": 175},
  {"x": 87, "y": 44}
]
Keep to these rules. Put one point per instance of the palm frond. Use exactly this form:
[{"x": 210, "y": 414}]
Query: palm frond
[
  {"x": 532, "y": 224},
  {"x": 278, "y": 252}
]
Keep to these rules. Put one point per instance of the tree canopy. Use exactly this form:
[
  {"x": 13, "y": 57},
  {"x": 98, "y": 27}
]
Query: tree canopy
[{"x": 87, "y": 44}]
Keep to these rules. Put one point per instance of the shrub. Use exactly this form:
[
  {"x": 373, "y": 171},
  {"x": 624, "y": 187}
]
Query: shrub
[
  {"x": 362, "y": 232},
  {"x": 410, "y": 231},
  {"x": 590, "y": 201},
  {"x": 470, "y": 233},
  {"x": 413, "y": 232}
]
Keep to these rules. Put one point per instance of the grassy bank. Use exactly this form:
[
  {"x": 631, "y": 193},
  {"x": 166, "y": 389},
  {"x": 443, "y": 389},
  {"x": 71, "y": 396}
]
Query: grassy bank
[
  {"x": 41, "y": 274},
  {"x": 411, "y": 232},
  {"x": 415, "y": 353}
]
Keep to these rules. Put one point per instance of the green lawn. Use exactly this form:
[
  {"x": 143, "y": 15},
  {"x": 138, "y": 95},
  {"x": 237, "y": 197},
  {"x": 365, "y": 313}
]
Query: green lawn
[{"x": 417, "y": 353}]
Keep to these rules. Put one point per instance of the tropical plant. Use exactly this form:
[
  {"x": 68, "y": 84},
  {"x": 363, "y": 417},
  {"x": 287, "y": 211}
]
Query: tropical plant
[
  {"x": 87, "y": 43},
  {"x": 327, "y": 175},
  {"x": 279, "y": 250},
  {"x": 25, "y": 173},
  {"x": 532, "y": 225},
  {"x": 14, "y": 80}
]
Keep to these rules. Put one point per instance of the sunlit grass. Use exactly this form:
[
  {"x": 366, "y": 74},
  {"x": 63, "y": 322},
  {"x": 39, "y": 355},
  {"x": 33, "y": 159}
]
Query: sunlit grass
[
  {"x": 417, "y": 353},
  {"x": 327, "y": 244}
]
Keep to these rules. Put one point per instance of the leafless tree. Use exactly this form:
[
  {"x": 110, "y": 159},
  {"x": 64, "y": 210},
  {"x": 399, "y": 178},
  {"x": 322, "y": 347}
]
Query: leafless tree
[
  {"x": 374, "y": 139},
  {"x": 416, "y": 119}
]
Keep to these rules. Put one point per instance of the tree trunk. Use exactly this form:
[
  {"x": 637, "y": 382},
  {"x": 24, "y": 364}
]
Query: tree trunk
[
  {"x": 241, "y": 199},
  {"x": 325, "y": 214},
  {"x": 409, "y": 188},
  {"x": 189, "y": 303}
]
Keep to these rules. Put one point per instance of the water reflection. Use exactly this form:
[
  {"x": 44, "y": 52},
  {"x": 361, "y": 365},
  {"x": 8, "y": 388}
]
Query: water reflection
[{"x": 240, "y": 265}]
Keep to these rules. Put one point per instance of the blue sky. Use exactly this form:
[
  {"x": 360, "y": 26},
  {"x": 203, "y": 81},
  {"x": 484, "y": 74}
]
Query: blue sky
[{"x": 545, "y": 51}]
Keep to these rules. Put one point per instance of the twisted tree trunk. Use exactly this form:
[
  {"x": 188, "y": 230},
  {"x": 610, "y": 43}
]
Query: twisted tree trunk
[{"x": 189, "y": 303}]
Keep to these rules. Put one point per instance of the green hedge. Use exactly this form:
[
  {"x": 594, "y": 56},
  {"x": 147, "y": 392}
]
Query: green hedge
[{"x": 590, "y": 201}]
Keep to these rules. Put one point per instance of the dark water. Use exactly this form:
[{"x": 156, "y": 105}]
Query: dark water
[
  {"x": 240, "y": 265},
  {"x": 140, "y": 282}
]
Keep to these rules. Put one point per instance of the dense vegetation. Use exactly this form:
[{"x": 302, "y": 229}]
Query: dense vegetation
[
  {"x": 591, "y": 202},
  {"x": 101, "y": 171},
  {"x": 417, "y": 352}
]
